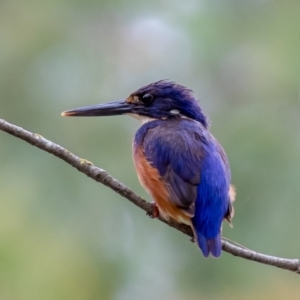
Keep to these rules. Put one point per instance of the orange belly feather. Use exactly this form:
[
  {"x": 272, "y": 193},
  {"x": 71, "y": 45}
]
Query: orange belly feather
[{"x": 153, "y": 184}]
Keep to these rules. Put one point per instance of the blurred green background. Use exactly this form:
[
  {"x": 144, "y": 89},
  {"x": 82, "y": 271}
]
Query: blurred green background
[{"x": 64, "y": 236}]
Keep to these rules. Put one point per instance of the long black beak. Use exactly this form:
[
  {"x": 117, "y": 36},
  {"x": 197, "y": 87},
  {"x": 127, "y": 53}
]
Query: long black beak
[{"x": 107, "y": 109}]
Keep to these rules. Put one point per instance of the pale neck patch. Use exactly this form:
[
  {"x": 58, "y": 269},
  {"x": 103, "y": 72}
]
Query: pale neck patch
[
  {"x": 143, "y": 119},
  {"x": 175, "y": 112}
]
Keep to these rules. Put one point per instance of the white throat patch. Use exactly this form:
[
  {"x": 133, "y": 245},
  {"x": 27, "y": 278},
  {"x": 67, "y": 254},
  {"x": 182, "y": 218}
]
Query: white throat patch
[{"x": 143, "y": 119}]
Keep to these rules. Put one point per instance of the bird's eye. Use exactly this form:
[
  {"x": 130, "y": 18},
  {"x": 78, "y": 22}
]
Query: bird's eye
[{"x": 147, "y": 98}]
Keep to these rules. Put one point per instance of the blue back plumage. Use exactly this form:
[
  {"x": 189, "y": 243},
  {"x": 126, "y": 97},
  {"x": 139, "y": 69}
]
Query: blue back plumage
[
  {"x": 212, "y": 202},
  {"x": 192, "y": 164}
]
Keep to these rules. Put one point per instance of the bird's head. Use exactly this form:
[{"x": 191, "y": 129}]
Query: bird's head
[{"x": 159, "y": 100}]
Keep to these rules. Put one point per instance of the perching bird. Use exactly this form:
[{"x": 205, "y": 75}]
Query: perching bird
[{"x": 179, "y": 163}]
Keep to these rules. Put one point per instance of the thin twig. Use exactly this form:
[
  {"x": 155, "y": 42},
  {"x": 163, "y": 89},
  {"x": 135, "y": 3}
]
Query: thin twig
[{"x": 103, "y": 177}]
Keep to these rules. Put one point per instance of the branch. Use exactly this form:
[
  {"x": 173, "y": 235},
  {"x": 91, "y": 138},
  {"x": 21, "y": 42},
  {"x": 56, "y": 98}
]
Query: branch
[{"x": 103, "y": 177}]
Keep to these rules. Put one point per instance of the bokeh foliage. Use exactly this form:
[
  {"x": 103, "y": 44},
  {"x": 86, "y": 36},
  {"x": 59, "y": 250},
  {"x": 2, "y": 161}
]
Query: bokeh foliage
[{"x": 63, "y": 236}]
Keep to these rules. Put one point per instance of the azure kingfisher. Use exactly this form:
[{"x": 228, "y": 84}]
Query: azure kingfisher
[{"x": 178, "y": 161}]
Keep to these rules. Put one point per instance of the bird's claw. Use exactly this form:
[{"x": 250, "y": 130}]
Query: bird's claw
[{"x": 155, "y": 211}]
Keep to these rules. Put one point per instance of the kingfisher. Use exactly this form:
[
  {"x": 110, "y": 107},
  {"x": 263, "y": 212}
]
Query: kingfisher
[{"x": 178, "y": 161}]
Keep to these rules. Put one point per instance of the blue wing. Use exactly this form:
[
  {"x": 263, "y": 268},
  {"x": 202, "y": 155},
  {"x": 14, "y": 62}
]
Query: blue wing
[
  {"x": 195, "y": 168},
  {"x": 212, "y": 203}
]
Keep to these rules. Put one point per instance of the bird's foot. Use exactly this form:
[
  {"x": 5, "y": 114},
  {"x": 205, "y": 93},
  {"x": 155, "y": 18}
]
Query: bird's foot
[
  {"x": 192, "y": 239},
  {"x": 155, "y": 211}
]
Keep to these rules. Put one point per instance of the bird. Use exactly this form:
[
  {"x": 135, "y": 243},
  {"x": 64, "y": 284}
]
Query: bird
[{"x": 178, "y": 161}]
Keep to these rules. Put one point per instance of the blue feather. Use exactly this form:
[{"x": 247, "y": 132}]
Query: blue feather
[
  {"x": 170, "y": 95},
  {"x": 213, "y": 246},
  {"x": 212, "y": 200},
  {"x": 196, "y": 171},
  {"x": 174, "y": 149}
]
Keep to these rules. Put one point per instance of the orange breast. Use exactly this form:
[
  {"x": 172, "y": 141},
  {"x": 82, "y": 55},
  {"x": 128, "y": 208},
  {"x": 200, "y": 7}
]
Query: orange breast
[{"x": 154, "y": 185}]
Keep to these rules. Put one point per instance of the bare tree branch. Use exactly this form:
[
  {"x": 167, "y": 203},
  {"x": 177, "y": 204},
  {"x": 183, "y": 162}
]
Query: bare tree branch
[{"x": 103, "y": 177}]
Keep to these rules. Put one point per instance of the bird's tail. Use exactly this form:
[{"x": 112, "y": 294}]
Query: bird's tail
[{"x": 209, "y": 246}]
